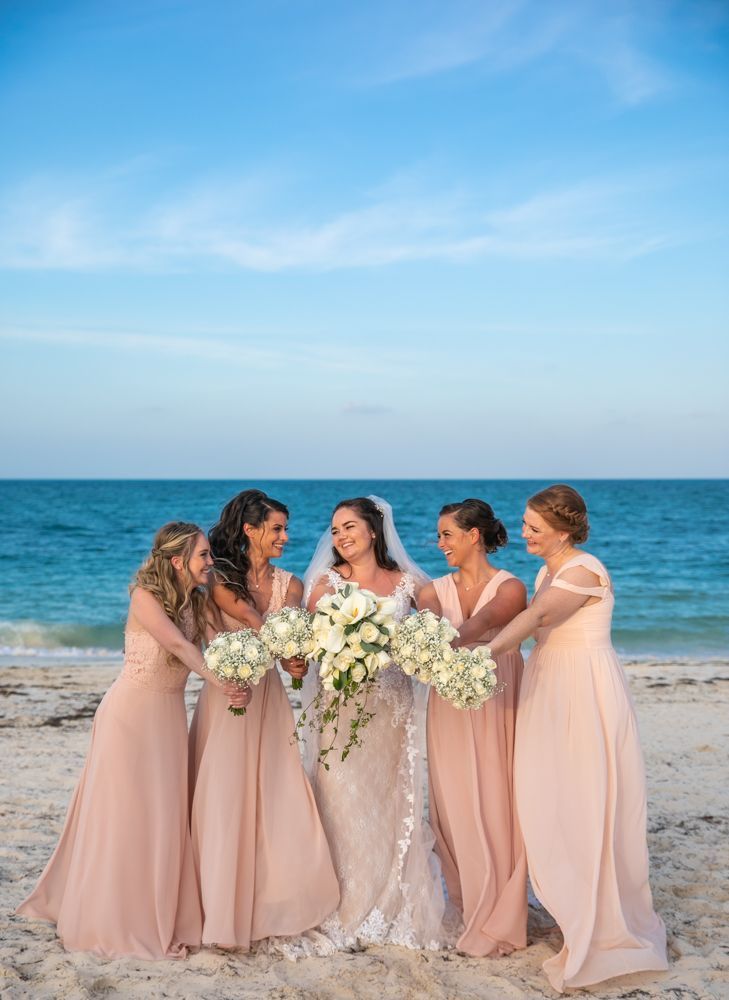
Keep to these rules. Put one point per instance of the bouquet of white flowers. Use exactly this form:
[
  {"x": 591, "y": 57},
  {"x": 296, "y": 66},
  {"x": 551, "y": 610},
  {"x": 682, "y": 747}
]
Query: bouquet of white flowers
[
  {"x": 288, "y": 633},
  {"x": 421, "y": 644},
  {"x": 351, "y": 630},
  {"x": 239, "y": 657},
  {"x": 468, "y": 679}
]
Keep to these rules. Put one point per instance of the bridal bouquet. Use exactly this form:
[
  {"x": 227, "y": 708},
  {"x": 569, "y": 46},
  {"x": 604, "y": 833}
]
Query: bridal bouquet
[
  {"x": 239, "y": 657},
  {"x": 421, "y": 644},
  {"x": 468, "y": 679},
  {"x": 288, "y": 633},
  {"x": 351, "y": 631}
]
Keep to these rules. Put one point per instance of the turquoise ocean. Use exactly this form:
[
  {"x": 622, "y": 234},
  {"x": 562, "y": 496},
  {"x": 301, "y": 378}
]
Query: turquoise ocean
[{"x": 68, "y": 550}]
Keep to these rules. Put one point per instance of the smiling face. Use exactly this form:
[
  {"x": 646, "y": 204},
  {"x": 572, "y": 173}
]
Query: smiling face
[
  {"x": 199, "y": 563},
  {"x": 269, "y": 539},
  {"x": 455, "y": 543},
  {"x": 352, "y": 536},
  {"x": 541, "y": 538}
]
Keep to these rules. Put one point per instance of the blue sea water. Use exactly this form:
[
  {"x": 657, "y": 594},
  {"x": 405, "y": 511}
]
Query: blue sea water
[{"x": 69, "y": 548}]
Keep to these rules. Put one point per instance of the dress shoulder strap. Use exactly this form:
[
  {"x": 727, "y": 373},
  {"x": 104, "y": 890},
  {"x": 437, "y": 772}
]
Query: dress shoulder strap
[
  {"x": 590, "y": 563},
  {"x": 279, "y": 589},
  {"x": 441, "y": 585}
]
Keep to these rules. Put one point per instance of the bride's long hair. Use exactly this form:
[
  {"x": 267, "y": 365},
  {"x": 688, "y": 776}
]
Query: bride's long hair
[
  {"x": 229, "y": 543},
  {"x": 175, "y": 592},
  {"x": 370, "y": 513}
]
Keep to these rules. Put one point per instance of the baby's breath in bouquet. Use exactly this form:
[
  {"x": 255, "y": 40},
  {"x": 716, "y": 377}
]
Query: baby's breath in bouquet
[
  {"x": 468, "y": 680},
  {"x": 421, "y": 644},
  {"x": 239, "y": 657},
  {"x": 351, "y": 630},
  {"x": 288, "y": 633}
]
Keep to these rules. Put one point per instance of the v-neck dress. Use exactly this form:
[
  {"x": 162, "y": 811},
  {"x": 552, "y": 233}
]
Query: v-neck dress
[{"x": 472, "y": 809}]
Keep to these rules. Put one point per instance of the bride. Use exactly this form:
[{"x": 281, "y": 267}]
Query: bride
[{"x": 371, "y": 804}]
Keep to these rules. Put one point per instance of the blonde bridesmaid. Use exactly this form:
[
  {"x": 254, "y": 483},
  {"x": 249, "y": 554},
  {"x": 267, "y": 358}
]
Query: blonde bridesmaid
[
  {"x": 121, "y": 880},
  {"x": 471, "y": 754},
  {"x": 261, "y": 856},
  {"x": 580, "y": 785}
]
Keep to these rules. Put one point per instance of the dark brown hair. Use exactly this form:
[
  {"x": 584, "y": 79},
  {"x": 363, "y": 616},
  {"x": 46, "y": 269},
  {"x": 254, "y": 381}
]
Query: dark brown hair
[
  {"x": 473, "y": 513},
  {"x": 229, "y": 542},
  {"x": 370, "y": 513}
]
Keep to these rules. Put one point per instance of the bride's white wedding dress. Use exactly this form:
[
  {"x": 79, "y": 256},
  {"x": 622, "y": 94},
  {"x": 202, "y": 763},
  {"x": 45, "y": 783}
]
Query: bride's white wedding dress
[
  {"x": 372, "y": 804},
  {"x": 371, "y": 807}
]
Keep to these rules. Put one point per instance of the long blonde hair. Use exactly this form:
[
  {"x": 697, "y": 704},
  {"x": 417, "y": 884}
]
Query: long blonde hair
[{"x": 157, "y": 575}]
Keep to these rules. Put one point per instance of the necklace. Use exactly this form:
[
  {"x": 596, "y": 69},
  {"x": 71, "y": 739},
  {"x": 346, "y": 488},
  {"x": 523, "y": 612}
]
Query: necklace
[
  {"x": 255, "y": 584},
  {"x": 474, "y": 584}
]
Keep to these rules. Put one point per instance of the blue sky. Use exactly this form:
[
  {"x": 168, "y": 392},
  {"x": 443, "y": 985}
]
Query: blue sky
[{"x": 255, "y": 240}]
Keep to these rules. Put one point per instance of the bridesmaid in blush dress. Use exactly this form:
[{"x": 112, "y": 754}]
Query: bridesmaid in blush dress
[
  {"x": 580, "y": 785},
  {"x": 471, "y": 753},
  {"x": 261, "y": 856},
  {"x": 121, "y": 880}
]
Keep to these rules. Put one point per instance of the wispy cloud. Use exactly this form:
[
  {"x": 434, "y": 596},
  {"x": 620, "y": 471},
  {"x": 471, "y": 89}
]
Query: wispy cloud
[
  {"x": 240, "y": 350},
  {"x": 81, "y": 227},
  {"x": 614, "y": 41}
]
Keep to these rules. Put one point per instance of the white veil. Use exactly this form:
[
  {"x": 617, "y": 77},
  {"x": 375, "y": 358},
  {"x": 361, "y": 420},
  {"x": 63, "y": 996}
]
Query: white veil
[{"x": 323, "y": 560}]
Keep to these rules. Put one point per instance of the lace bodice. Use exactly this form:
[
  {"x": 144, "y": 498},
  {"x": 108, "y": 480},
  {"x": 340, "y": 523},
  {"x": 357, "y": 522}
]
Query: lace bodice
[
  {"x": 402, "y": 594},
  {"x": 279, "y": 589},
  {"x": 149, "y": 665}
]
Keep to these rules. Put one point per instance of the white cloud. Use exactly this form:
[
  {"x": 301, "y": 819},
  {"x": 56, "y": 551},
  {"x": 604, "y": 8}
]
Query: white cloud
[
  {"x": 85, "y": 226},
  {"x": 611, "y": 40}
]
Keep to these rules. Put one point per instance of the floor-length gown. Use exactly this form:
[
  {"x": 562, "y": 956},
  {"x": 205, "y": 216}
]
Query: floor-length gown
[
  {"x": 262, "y": 859},
  {"x": 371, "y": 805},
  {"x": 581, "y": 796},
  {"x": 472, "y": 810},
  {"x": 121, "y": 880}
]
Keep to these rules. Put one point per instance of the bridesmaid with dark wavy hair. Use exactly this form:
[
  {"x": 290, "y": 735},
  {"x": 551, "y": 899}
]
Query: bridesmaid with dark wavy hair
[
  {"x": 471, "y": 753},
  {"x": 261, "y": 856}
]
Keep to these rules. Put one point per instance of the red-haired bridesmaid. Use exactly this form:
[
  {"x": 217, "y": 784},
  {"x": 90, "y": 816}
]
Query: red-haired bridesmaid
[{"x": 580, "y": 784}]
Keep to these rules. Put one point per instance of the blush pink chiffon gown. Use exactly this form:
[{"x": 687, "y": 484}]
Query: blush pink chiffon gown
[
  {"x": 470, "y": 760},
  {"x": 121, "y": 880},
  {"x": 581, "y": 796},
  {"x": 261, "y": 856}
]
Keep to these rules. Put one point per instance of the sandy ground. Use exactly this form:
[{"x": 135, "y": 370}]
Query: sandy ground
[{"x": 45, "y": 717}]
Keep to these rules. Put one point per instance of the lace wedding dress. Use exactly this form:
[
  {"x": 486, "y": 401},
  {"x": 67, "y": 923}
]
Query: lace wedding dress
[{"x": 371, "y": 806}]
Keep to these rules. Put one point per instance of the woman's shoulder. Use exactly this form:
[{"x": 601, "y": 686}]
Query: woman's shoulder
[
  {"x": 289, "y": 584},
  {"x": 585, "y": 561},
  {"x": 505, "y": 581}
]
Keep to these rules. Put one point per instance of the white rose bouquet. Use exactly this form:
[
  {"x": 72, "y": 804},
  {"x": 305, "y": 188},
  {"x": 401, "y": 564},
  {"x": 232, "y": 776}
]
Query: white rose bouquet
[
  {"x": 288, "y": 633},
  {"x": 351, "y": 630},
  {"x": 421, "y": 644},
  {"x": 239, "y": 657},
  {"x": 468, "y": 680}
]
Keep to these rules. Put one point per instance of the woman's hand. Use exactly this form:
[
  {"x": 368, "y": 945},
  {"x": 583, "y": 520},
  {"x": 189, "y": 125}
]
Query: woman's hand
[
  {"x": 296, "y": 666},
  {"x": 239, "y": 697}
]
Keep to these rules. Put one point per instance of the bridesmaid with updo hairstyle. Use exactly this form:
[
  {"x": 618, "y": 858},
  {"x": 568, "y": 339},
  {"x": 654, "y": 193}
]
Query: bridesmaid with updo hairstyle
[
  {"x": 471, "y": 753},
  {"x": 580, "y": 784}
]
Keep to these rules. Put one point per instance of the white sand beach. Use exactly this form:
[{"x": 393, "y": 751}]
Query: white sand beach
[{"x": 683, "y": 708}]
